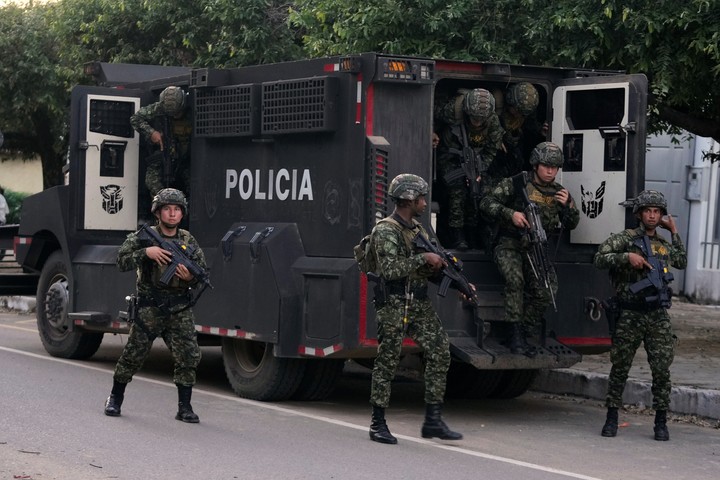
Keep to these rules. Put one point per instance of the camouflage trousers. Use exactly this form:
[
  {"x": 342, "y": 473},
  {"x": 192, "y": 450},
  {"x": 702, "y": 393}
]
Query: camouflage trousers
[
  {"x": 461, "y": 211},
  {"x": 654, "y": 330},
  {"x": 178, "y": 333},
  {"x": 425, "y": 329},
  {"x": 526, "y": 297}
]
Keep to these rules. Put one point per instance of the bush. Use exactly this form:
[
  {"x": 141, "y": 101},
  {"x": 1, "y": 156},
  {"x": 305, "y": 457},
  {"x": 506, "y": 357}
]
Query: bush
[{"x": 14, "y": 200}]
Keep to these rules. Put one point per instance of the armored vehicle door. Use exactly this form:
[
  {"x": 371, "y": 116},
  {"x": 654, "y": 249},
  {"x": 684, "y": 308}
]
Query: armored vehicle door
[
  {"x": 600, "y": 124},
  {"x": 104, "y": 158}
]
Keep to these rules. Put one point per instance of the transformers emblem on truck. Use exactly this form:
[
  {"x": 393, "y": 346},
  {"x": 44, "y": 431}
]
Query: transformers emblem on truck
[
  {"x": 112, "y": 198},
  {"x": 260, "y": 185}
]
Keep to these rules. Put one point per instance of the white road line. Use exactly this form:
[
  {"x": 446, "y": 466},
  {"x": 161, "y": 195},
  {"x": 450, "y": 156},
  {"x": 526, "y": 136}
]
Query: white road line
[{"x": 290, "y": 411}]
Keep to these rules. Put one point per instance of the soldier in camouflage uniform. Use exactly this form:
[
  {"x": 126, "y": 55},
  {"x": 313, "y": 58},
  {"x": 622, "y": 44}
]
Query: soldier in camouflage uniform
[
  {"x": 167, "y": 125},
  {"x": 505, "y": 205},
  {"x": 522, "y": 130},
  {"x": 406, "y": 307},
  {"x": 479, "y": 129},
  {"x": 641, "y": 318},
  {"x": 163, "y": 310}
]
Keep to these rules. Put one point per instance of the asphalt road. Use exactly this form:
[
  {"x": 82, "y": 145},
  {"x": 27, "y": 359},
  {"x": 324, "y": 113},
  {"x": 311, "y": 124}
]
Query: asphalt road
[{"x": 53, "y": 428}]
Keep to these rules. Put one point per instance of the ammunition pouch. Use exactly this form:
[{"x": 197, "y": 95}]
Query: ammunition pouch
[{"x": 455, "y": 177}]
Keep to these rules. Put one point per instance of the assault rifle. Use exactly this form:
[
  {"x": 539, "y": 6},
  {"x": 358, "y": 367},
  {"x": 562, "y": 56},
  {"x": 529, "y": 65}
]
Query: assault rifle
[
  {"x": 658, "y": 277},
  {"x": 538, "y": 240},
  {"x": 181, "y": 254},
  {"x": 471, "y": 167},
  {"x": 452, "y": 273}
]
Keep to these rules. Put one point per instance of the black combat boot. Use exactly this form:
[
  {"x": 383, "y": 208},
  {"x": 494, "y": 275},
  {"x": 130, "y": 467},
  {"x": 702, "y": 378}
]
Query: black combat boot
[
  {"x": 661, "y": 430},
  {"x": 185, "y": 412},
  {"x": 517, "y": 342},
  {"x": 115, "y": 400},
  {"x": 379, "y": 431},
  {"x": 434, "y": 427},
  {"x": 457, "y": 239},
  {"x": 611, "y": 423}
]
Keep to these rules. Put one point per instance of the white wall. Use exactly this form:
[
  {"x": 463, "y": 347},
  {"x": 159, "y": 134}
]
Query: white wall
[{"x": 21, "y": 175}]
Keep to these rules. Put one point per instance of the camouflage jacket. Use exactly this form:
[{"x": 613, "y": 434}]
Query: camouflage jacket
[
  {"x": 485, "y": 141},
  {"x": 132, "y": 256},
  {"x": 397, "y": 259},
  {"x": 502, "y": 201},
  {"x": 153, "y": 118},
  {"x": 613, "y": 254}
]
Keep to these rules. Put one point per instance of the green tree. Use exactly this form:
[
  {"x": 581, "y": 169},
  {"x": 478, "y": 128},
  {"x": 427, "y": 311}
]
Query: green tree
[
  {"x": 33, "y": 88},
  {"x": 675, "y": 43}
]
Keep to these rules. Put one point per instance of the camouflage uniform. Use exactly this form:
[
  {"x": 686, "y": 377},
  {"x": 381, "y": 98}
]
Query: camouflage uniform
[
  {"x": 176, "y": 137},
  {"x": 512, "y": 249},
  {"x": 522, "y": 130},
  {"x": 485, "y": 140},
  {"x": 639, "y": 322},
  {"x": 176, "y": 329},
  {"x": 398, "y": 265}
]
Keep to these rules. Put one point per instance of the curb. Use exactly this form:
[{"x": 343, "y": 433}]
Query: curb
[
  {"x": 683, "y": 400},
  {"x": 18, "y": 303}
]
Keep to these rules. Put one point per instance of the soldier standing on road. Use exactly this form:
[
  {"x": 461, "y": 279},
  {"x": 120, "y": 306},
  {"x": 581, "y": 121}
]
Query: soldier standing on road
[
  {"x": 643, "y": 316},
  {"x": 404, "y": 274},
  {"x": 167, "y": 125},
  {"x": 478, "y": 128},
  {"x": 505, "y": 205},
  {"x": 163, "y": 310}
]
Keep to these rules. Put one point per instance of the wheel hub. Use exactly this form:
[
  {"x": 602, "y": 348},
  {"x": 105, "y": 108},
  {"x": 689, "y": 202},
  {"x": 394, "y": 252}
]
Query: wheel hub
[{"x": 56, "y": 302}]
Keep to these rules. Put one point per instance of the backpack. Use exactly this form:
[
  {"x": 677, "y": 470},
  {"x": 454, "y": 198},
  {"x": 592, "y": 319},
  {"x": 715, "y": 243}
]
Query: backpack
[{"x": 364, "y": 252}]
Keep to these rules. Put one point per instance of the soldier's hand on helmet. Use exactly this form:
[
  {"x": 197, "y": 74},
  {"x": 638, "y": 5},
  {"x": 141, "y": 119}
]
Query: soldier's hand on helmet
[
  {"x": 435, "y": 261},
  {"x": 183, "y": 273},
  {"x": 638, "y": 262},
  {"x": 668, "y": 223},
  {"x": 158, "y": 255},
  {"x": 157, "y": 139},
  {"x": 519, "y": 220},
  {"x": 562, "y": 197}
]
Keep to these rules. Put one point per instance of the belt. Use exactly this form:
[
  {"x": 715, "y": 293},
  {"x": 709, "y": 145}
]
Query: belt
[
  {"x": 419, "y": 292},
  {"x": 639, "y": 306},
  {"x": 164, "y": 301}
]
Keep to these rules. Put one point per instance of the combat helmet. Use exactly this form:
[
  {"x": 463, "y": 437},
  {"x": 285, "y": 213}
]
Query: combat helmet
[
  {"x": 547, "y": 153},
  {"x": 407, "y": 186},
  {"x": 172, "y": 100},
  {"x": 524, "y": 97},
  {"x": 169, "y": 196},
  {"x": 650, "y": 198},
  {"x": 479, "y": 104}
]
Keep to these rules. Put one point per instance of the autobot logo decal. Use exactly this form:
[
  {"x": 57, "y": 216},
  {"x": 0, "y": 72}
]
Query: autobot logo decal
[
  {"x": 112, "y": 198},
  {"x": 592, "y": 202},
  {"x": 268, "y": 185}
]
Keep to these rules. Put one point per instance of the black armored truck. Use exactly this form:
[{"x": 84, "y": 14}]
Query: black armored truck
[{"x": 290, "y": 165}]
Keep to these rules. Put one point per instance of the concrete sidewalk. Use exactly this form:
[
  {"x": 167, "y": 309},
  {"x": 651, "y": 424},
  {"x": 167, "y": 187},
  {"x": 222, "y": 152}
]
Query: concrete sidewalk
[{"x": 695, "y": 372}]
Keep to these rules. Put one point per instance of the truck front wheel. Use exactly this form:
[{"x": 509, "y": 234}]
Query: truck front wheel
[
  {"x": 52, "y": 301},
  {"x": 254, "y": 372}
]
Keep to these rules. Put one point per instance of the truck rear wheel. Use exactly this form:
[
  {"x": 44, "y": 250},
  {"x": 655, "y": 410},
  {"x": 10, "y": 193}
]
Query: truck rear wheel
[
  {"x": 514, "y": 383},
  {"x": 319, "y": 379},
  {"x": 466, "y": 381},
  {"x": 52, "y": 299},
  {"x": 254, "y": 372}
]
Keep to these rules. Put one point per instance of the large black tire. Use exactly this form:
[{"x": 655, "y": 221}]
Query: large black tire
[
  {"x": 319, "y": 379},
  {"x": 52, "y": 301},
  {"x": 514, "y": 383},
  {"x": 466, "y": 381},
  {"x": 254, "y": 372}
]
